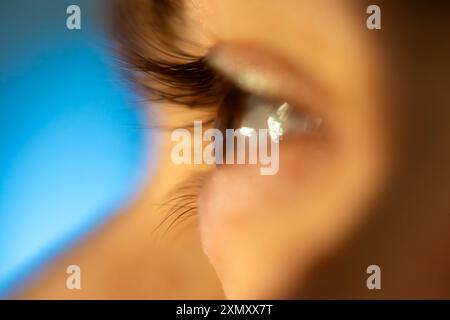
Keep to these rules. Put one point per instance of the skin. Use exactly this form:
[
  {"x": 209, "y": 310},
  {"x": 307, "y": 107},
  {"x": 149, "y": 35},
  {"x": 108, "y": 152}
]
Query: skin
[{"x": 285, "y": 235}]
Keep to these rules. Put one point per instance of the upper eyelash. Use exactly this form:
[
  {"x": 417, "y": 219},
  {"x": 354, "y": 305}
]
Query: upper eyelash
[
  {"x": 192, "y": 84},
  {"x": 150, "y": 49}
]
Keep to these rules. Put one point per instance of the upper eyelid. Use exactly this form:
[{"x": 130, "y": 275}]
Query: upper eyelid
[
  {"x": 192, "y": 81},
  {"x": 270, "y": 76}
]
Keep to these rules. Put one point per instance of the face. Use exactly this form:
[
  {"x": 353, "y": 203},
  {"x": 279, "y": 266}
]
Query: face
[{"x": 264, "y": 233}]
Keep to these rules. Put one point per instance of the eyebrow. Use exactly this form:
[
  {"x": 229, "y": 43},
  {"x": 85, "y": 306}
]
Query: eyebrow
[{"x": 151, "y": 48}]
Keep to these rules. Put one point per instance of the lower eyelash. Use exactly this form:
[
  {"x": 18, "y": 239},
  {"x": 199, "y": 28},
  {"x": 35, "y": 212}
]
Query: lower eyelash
[{"x": 181, "y": 204}]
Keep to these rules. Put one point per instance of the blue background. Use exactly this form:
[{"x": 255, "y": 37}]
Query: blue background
[{"x": 71, "y": 138}]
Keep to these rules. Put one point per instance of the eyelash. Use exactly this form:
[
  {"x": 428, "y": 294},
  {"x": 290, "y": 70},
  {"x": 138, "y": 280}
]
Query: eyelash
[
  {"x": 148, "y": 43},
  {"x": 180, "y": 206},
  {"x": 197, "y": 86},
  {"x": 192, "y": 84}
]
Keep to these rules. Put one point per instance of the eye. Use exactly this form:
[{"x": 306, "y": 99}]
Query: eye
[
  {"x": 266, "y": 91},
  {"x": 249, "y": 112}
]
